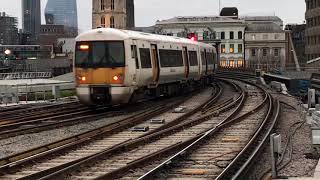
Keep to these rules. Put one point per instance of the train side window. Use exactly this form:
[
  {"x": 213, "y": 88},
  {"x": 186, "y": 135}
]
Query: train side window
[
  {"x": 134, "y": 55},
  {"x": 193, "y": 58},
  {"x": 145, "y": 58},
  {"x": 171, "y": 58}
]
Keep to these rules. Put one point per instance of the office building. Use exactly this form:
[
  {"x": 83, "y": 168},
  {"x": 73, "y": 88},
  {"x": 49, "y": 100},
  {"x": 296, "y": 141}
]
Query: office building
[
  {"x": 8, "y": 30},
  {"x": 63, "y": 12},
  {"x": 31, "y": 20}
]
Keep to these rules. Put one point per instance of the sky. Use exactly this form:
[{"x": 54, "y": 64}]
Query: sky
[{"x": 149, "y": 11}]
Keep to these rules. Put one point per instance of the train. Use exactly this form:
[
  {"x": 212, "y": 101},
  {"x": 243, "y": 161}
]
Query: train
[{"x": 114, "y": 66}]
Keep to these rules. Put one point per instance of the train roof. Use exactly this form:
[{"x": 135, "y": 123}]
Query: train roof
[{"x": 117, "y": 34}]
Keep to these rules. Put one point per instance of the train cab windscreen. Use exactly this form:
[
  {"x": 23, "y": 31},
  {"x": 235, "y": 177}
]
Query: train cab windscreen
[{"x": 100, "y": 54}]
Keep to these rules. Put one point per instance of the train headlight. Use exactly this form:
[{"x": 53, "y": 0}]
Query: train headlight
[
  {"x": 116, "y": 78},
  {"x": 83, "y": 78}
]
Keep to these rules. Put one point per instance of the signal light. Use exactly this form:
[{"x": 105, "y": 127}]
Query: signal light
[{"x": 193, "y": 36}]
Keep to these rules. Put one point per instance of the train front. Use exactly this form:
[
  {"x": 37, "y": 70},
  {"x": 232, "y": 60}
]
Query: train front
[{"x": 100, "y": 69}]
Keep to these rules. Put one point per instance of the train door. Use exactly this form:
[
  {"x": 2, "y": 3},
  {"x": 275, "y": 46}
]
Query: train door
[
  {"x": 135, "y": 58},
  {"x": 155, "y": 63},
  {"x": 186, "y": 62}
]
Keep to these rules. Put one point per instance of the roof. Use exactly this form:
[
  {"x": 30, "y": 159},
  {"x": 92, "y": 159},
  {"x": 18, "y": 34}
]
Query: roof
[
  {"x": 117, "y": 34},
  {"x": 264, "y": 27},
  {"x": 199, "y": 19},
  {"x": 261, "y": 18}
]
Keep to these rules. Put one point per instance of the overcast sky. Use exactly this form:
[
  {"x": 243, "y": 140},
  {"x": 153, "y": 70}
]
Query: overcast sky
[{"x": 148, "y": 11}]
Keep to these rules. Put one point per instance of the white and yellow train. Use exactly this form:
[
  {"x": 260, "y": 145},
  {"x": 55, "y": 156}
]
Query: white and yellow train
[{"x": 116, "y": 66}]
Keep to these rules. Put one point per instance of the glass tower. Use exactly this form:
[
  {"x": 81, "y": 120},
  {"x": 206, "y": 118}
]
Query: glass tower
[
  {"x": 62, "y": 12},
  {"x": 31, "y": 20}
]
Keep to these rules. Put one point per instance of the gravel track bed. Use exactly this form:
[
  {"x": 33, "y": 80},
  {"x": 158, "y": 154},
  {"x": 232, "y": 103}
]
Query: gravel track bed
[
  {"x": 22, "y": 143},
  {"x": 300, "y": 166},
  {"x": 198, "y": 160},
  {"x": 115, "y": 138},
  {"x": 122, "y": 159}
]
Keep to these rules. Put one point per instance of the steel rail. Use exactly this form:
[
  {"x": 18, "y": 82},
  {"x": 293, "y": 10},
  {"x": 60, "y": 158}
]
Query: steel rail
[
  {"x": 53, "y": 122},
  {"x": 39, "y": 113},
  {"x": 125, "y": 146},
  {"x": 148, "y": 139},
  {"x": 246, "y": 157},
  {"x": 3, "y": 114},
  {"x": 16, "y": 122},
  {"x": 208, "y": 134},
  {"x": 181, "y": 119},
  {"x": 19, "y": 158},
  {"x": 36, "y": 153}
]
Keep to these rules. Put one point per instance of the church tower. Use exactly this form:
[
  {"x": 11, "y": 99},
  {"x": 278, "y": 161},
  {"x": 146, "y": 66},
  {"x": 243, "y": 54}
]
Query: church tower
[{"x": 113, "y": 13}]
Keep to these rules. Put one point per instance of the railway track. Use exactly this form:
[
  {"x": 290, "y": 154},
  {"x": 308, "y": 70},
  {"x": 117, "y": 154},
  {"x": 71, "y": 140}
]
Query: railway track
[
  {"x": 31, "y": 110},
  {"x": 225, "y": 152},
  {"x": 133, "y": 158},
  {"x": 235, "y": 74},
  {"x": 62, "y": 117},
  {"x": 143, "y": 145},
  {"x": 84, "y": 146}
]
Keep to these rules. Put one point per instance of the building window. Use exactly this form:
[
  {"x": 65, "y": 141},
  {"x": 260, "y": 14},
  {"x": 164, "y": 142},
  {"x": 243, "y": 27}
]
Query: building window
[
  {"x": 264, "y": 52},
  {"x": 112, "y": 5},
  {"x": 103, "y": 21},
  {"x": 276, "y": 36},
  {"x": 112, "y": 25},
  {"x": 231, "y": 49},
  {"x": 205, "y": 35},
  {"x": 253, "y": 52},
  {"x": 231, "y": 35},
  {"x": 253, "y": 37},
  {"x": 240, "y": 35},
  {"x": 239, "y": 48},
  {"x": 223, "y": 48},
  {"x": 265, "y": 36},
  {"x": 223, "y": 36},
  {"x": 102, "y": 5},
  {"x": 276, "y": 52}
]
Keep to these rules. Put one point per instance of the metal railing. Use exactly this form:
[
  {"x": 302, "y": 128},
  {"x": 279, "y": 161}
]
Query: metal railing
[{"x": 25, "y": 75}]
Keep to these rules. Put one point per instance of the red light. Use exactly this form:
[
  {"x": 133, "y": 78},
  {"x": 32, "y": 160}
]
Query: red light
[
  {"x": 116, "y": 78},
  {"x": 193, "y": 37}
]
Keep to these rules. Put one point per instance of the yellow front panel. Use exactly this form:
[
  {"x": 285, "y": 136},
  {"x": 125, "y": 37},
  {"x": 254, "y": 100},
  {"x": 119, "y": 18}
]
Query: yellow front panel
[{"x": 100, "y": 75}]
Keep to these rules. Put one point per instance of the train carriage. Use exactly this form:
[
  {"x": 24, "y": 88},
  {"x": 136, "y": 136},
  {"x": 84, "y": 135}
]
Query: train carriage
[{"x": 112, "y": 66}]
